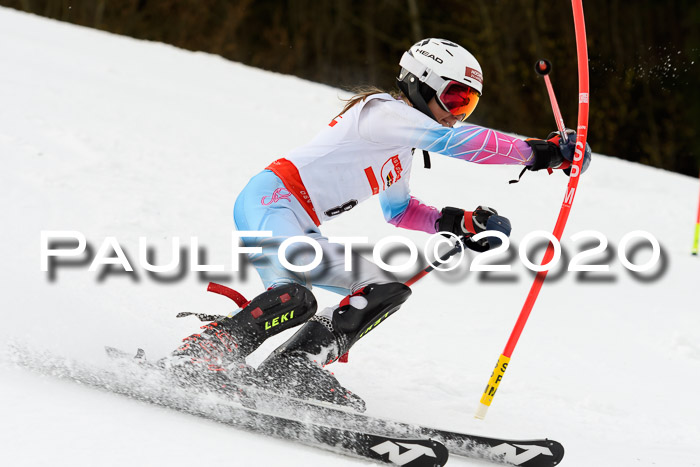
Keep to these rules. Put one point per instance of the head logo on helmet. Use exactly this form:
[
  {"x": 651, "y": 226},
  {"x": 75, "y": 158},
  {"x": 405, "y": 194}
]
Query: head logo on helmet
[
  {"x": 429, "y": 55},
  {"x": 430, "y": 65}
]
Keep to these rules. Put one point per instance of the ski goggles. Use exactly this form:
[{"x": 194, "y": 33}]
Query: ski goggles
[{"x": 458, "y": 99}]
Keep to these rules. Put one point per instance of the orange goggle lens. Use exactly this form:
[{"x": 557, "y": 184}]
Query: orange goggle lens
[{"x": 459, "y": 99}]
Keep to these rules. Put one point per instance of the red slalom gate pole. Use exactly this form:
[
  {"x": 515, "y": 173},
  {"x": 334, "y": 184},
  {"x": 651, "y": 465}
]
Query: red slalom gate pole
[{"x": 581, "y": 136}]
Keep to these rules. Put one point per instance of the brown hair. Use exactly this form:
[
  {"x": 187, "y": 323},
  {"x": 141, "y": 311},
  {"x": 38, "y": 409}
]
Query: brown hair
[{"x": 362, "y": 93}]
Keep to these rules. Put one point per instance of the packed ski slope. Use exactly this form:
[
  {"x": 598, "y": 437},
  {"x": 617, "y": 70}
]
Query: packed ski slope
[{"x": 110, "y": 136}]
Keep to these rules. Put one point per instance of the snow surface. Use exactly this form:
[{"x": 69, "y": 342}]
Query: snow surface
[{"x": 111, "y": 136}]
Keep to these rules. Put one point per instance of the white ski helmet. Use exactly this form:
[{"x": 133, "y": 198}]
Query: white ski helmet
[{"x": 440, "y": 68}]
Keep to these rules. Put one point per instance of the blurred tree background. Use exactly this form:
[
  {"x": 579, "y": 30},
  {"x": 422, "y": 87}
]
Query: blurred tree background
[{"x": 645, "y": 102}]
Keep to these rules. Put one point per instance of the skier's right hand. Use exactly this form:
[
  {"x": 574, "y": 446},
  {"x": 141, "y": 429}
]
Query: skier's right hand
[
  {"x": 552, "y": 153},
  {"x": 568, "y": 149},
  {"x": 466, "y": 223}
]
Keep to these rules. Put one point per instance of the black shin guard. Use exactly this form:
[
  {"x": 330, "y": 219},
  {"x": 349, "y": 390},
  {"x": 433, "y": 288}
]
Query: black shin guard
[
  {"x": 325, "y": 338},
  {"x": 231, "y": 340},
  {"x": 268, "y": 314}
]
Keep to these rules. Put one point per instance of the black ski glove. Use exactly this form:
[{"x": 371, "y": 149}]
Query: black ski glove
[
  {"x": 466, "y": 223},
  {"x": 552, "y": 153},
  {"x": 547, "y": 155},
  {"x": 568, "y": 149}
]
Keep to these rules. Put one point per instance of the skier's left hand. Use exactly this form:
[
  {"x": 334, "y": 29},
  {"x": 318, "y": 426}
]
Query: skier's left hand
[{"x": 465, "y": 223}]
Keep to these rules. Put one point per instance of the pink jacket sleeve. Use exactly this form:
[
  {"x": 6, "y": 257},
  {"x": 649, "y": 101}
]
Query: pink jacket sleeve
[{"x": 417, "y": 216}]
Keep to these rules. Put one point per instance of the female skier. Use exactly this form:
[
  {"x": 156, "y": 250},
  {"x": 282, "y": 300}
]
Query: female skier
[{"x": 366, "y": 150}]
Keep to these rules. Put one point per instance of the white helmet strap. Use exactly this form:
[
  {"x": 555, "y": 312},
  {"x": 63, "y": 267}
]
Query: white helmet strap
[{"x": 422, "y": 72}]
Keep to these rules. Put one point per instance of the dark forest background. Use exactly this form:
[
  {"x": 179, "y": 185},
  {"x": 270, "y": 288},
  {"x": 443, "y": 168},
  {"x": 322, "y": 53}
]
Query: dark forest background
[{"x": 644, "y": 54}]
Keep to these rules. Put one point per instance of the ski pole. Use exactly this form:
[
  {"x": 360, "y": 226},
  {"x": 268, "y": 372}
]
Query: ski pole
[
  {"x": 697, "y": 229},
  {"x": 581, "y": 135},
  {"x": 459, "y": 246},
  {"x": 543, "y": 67}
]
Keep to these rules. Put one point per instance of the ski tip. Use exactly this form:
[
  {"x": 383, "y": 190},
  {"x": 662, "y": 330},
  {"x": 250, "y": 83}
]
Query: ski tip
[
  {"x": 557, "y": 450},
  {"x": 442, "y": 454}
]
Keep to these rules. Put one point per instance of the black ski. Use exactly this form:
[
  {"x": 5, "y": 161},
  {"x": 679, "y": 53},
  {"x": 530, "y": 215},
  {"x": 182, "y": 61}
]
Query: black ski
[
  {"x": 393, "y": 450},
  {"x": 526, "y": 453},
  {"x": 307, "y": 422},
  {"x": 149, "y": 387}
]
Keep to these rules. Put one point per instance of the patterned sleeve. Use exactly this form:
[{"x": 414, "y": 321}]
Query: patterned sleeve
[{"x": 395, "y": 123}]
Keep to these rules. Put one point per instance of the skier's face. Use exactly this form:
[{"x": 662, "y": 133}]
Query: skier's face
[{"x": 443, "y": 117}]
